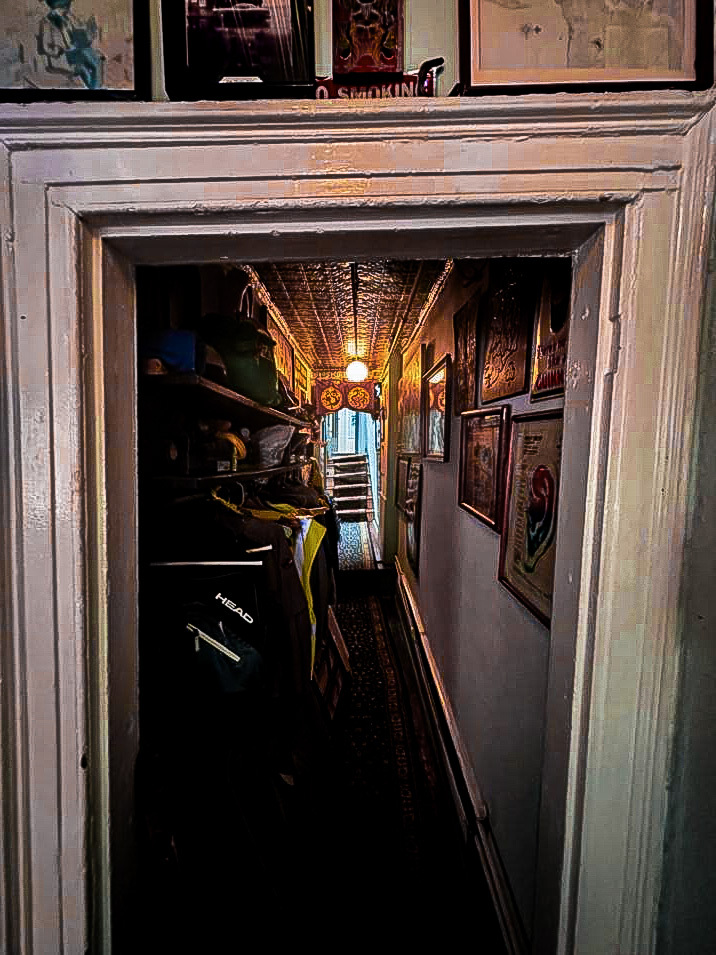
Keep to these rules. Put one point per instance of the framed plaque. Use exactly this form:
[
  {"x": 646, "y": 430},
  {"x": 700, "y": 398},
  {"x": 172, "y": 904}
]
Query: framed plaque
[{"x": 529, "y": 526}]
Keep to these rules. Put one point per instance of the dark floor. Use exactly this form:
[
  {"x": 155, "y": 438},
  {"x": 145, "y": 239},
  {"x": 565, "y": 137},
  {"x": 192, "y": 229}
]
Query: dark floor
[{"x": 363, "y": 850}]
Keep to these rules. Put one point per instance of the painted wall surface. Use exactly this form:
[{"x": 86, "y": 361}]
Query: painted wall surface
[
  {"x": 430, "y": 31},
  {"x": 388, "y": 513},
  {"x": 688, "y": 914},
  {"x": 492, "y": 653}
]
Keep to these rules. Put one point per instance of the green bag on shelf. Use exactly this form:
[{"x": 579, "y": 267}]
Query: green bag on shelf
[{"x": 248, "y": 353}]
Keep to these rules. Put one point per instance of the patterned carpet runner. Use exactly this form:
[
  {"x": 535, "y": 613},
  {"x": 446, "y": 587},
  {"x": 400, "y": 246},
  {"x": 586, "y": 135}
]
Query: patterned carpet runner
[
  {"x": 402, "y": 872},
  {"x": 354, "y": 549}
]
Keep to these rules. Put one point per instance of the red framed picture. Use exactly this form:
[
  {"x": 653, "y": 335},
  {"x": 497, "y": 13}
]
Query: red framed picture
[{"x": 367, "y": 37}]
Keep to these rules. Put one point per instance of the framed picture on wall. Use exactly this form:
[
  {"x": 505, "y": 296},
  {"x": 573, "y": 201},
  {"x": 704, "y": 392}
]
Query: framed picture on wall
[
  {"x": 535, "y": 44},
  {"x": 409, "y": 406},
  {"x": 401, "y": 482},
  {"x": 436, "y": 391},
  {"x": 507, "y": 320},
  {"x": 301, "y": 379},
  {"x": 465, "y": 372},
  {"x": 283, "y": 354},
  {"x": 483, "y": 437},
  {"x": 529, "y": 525},
  {"x": 233, "y": 50},
  {"x": 552, "y": 331},
  {"x": 74, "y": 49},
  {"x": 412, "y": 514},
  {"x": 367, "y": 37}
]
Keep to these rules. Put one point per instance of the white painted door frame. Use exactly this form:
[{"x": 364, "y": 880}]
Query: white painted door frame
[{"x": 90, "y": 190}]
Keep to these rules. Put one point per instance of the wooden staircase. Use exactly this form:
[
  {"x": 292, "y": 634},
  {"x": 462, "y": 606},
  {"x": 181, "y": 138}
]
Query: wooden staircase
[{"x": 348, "y": 483}]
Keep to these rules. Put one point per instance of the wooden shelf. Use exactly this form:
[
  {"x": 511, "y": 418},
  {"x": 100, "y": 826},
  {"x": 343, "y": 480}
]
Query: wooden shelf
[
  {"x": 218, "y": 400},
  {"x": 198, "y": 481}
]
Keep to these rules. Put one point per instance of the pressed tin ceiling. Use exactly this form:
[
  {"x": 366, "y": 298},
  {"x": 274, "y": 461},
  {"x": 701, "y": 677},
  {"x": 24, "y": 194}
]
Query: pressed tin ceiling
[{"x": 338, "y": 311}]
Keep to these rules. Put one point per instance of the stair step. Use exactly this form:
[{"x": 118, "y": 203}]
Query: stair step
[{"x": 345, "y": 474}]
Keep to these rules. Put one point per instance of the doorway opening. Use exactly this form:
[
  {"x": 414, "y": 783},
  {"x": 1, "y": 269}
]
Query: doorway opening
[
  {"x": 286, "y": 797},
  {"x": 121, "y": 784}
]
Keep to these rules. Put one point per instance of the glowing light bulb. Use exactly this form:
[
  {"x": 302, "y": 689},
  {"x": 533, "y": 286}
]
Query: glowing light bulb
[{"x": 356, "y": 371}]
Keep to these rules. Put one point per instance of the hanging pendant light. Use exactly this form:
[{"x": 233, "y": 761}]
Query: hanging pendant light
[{"x": 356, "y": 371}]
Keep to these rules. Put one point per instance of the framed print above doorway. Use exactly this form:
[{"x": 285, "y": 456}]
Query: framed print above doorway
[
  {"x": 74, "y": 49},
  {"x": 234, "y": 50},
  {"x": 535, "y": 43}
]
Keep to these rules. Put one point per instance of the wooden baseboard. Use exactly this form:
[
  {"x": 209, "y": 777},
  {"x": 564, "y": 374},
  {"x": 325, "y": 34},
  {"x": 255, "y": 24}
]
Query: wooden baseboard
[{"x": 471, "y": 807}]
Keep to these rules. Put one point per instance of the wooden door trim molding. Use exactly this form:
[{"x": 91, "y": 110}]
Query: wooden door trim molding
[{"x": 80, "y": 180}]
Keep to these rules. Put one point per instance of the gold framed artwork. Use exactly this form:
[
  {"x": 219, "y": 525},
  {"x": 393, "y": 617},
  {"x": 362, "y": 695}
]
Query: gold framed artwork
[
  {"x": 436, "y": 392},
  {"x": 483, "y": 436},
  {"x": 409, "y": 406},
  {"x": 465, "y": 372},
  {"x": 508, "y": 319},
  {"x": 301, "y": 379},
  {"x": 534, "y": 42},
  {"x": 529, "y": 525},
  {"x": 552, "y": 332},
  {"x": 283, "y": 353}
]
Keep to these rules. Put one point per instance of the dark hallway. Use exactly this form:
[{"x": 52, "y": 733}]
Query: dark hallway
[{"x": 361, "y": 847}]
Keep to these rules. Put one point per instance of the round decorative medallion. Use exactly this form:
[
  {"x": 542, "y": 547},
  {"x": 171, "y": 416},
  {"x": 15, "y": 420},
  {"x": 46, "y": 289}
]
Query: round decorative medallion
[
  {"x": 331, "y": 398},
  {"x": 358, "y": 398}
]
